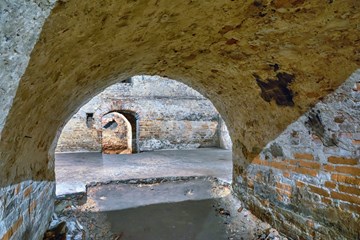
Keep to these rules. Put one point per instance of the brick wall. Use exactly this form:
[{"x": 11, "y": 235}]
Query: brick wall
[
  {"x": 307, "y": 181},
  {"x": 177, "y": 134},
  {"x": 26, "y": 209}
]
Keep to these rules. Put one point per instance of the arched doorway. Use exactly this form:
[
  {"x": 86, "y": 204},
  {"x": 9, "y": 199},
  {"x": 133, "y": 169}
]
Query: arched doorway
[
  {"x": 116, "y": 134},
  {"x": 132, "y": 120}
]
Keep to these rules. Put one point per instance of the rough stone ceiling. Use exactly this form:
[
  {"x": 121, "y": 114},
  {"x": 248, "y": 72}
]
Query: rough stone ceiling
[{"x": 262, "y": 64}]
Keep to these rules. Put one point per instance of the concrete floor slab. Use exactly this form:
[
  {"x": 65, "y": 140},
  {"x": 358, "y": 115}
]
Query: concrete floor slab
[
  {"x": 65, "y": 188},
  {"x": 112, "y": 197},
  {"x": 83, "y": 168}
]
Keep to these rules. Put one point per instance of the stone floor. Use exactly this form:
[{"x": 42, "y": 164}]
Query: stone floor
[
  {"x": 194, "y": 209},
  {"x": 75, "y": 170},
  {"x": 177, "y": 194}
]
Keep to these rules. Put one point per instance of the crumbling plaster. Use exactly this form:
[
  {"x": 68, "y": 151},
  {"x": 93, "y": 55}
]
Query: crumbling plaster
[{"x": 227, "y": 50}]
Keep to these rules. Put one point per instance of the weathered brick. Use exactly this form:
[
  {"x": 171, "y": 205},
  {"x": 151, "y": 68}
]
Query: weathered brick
[
  {"x": 345, "y": 179},
  {"x": 329, "y": 184},
  {"x": 27, "y": 191},
  {"x": 284, "y": 186},
  {"x": 306, "y": 156},
  {"x": 348, "y": 170},
  {"x": 250, "y": 183},
  {"x": 17, "y": 189},
  {"x": 280, "y": 165},
  {"x": 319, "y": 191},
  {"x": 7, "y": 235},
  {"x": 348, "y": 189},
  {"x": 350, "y": 207},
  {"x": 283, "y": 192},
  {"x": 328, "y": 168},
  {"x": 326, "y": 200},
  {"x": 305, "y": 171},
  {"x": 17, "y": 224},
  {"x": 279, "y": 196},
  {"x": 286, "y": 174},
  {"x": 257, "y": 160},
  {"x": 300, "y": 184},
  {"x": 313, "y": 165},
  {"x": 32, "y": 207},
  {"x": 342, "y": 160},
  {"x": 258, "y": 176},
  {"x": 294, "y": 162},
  {"x": 13, "y": 229},
  {"x": 345, "y": 197}
]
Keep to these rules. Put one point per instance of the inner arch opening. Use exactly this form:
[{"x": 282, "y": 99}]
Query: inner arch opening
[
  {"x": 163, "y": 114},
  {"x": 116, "y": 134},
  {"x": 179, "y": 138}
]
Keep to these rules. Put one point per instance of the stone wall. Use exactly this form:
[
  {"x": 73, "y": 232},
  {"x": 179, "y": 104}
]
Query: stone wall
[
  {"x": 170, "y": 115},
  {"x": 16, "y": 44},
  {"x": 306, "y": 182},
  {"x": 26, "y": 209}
]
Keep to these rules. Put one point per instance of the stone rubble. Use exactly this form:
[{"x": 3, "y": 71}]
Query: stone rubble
[{"x": 66, "y": 226}]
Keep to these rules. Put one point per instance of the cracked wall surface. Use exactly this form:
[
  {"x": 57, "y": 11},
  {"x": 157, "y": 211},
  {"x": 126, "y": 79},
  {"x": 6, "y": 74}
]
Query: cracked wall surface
[{"x": 262, "y": 63}]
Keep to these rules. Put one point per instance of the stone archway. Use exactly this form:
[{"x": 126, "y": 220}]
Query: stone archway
[
  {"x": 116, "y": 134},
  {"x": 262, "y": 63},
  {"x": 220, "y": 59},
  {"x": 132, "y": 120}
]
